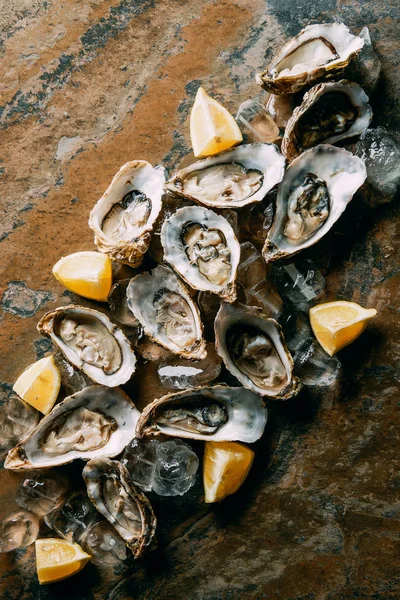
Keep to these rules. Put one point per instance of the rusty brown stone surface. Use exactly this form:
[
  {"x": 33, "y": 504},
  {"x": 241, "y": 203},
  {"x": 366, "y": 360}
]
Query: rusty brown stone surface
[{"x": 87, "y": 85}]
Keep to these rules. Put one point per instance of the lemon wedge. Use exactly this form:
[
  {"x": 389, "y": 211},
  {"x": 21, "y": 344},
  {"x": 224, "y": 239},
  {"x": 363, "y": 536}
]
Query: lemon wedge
[
  {"x": 337, "y": 324},
  {"x": 225, "y": 467},
  {"x": 39, "y": 384},
  {"x": 58, "y": 559},
  {"x": 88, "y": 274},
  {"x": 212, "y": 127}
]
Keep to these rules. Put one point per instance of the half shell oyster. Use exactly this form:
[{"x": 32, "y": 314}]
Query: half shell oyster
[
  {"x": 318, "y": 52},
  {"x": 123, "y": 218},
  {"x": 112, "y": 492},
  {"x": 217, "y": 413},
  {"x": 97, "y": 421},
  {"x": 231, "y": 179},
  {"x": 202, "y": 247},
  {"x": 330, "y": 112},
  {"x": 167, "y": 313},
  {"x": 314, "y": 192},
  {"x": 91, "y": 342},
  {"x": 254, "y": 351}
]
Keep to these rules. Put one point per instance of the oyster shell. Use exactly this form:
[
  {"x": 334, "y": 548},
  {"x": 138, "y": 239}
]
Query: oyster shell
[
  {"x": 123, "y": 218},
  {"x": 314, "y": 192},
  {"x": 97, "y": 421},
  {"x": 202, "y": 247},
  {"x": 217, "y": 413},
  {"x": 254, "y": 351},
  {"x": 91, "y": 342},
  {"x": 231, "y": 179},
  {"x": 111, "y": 490},
  {"x": 319, "y": 51},
  {"x": 330, "y": 112},
  {"x": 167, "y": 313}
]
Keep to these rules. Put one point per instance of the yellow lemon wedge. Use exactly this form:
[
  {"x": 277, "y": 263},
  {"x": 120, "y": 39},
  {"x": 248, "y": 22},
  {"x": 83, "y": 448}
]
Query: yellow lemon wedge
[
  {"x": 88, "y": 274},
  {"x": 225, "y": 467},
  {"x": 39, "y": 384},
  {"x": 58, "y": 559},
  {"x": 337, "y": 324},
  {"x": 212, "y": 127}
]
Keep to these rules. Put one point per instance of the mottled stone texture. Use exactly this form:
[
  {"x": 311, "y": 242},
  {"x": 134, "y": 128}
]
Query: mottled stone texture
[{"x": 89, "y": 84}]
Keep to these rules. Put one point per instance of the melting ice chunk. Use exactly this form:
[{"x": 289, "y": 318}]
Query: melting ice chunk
[{"x": 18, "y": 530}]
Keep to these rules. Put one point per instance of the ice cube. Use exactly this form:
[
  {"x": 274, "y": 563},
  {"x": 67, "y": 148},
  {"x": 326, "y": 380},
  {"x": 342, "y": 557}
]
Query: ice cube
[
  {"x": 313, "y": 365},
  {"x": 280, "y": 108},
  {"x": 365, "y": 68},
  {"x": 72, "y": 380},
  {"x": 140, "y": 458},
  {"x": 104, "y": 544},
  {"x": 17, "y": 420},
  {"x": 255, "y": 123},
  {"x": 381, "y": 154},
  {"x": 18, "y": 530},
  {"x": 42, "y": 492},
  {"x": 176, "y": 373},
  {"x": 72, "y": 518},
  {"x": 256, "y": 220},
  {"x": 176, "y": 468},
  {"x": 300, "y": 282},
  {"x": 119, "y": 305}
]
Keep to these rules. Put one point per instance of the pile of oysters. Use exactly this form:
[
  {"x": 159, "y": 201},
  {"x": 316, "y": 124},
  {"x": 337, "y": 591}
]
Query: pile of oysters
[{"x": 315, "y": 181}]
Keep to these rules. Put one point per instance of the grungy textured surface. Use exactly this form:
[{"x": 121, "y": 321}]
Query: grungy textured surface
[{"x": 87, "y": 85}]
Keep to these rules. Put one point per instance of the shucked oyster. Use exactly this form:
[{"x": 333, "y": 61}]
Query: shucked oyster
[
  {"x": 123, "y": 218},
  {"x": 215, "y": 413},
  {"x": 254, "y": 351},
  {"x": 168, "y": 315},
  {"x": 97, "y": 421},
  {"x": 91, "y": 343},
  {"x": 231, "y": 179},
  {"x": 201, "y": 246},
  {"x": 314, "y": 192},
  {"x": 317, "y": 52},
  {"x": 330, "y": 112},
  {"x": 112, "y": 492}
]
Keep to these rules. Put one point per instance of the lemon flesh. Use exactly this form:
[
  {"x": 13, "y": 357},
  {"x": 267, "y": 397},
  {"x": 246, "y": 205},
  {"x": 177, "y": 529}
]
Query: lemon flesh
[
  {"x": 58, "y": 559},
  {"x": 212, "y": 127},
  {"x": 88, "y": 274},
  {"x": 338, "y": 324},
  {"x": 226, "y": 466},
  {"x": 39, "y": 384}
]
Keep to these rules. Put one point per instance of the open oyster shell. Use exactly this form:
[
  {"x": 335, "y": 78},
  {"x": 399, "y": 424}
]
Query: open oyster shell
[
  {"x": 97, "y": 421},
  {"x": 114, "y": 495},
  {"x": 254, "y": 351},
  {"x": 330, "y": 112},
  {"x": 318, "y": 52},
  {"x": 167, "y": 313},
  {"x": 314, "y": 192},
  {"x": 123, "y": 218},
  {"x": 231, "y": 179},
  {"x": 91, "y": 342},
  {"x": 202, "y": 247},
  {"x": 217, "y": 413}
]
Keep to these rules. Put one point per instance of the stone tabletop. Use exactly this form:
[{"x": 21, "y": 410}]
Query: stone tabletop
[{"x": 87, "y": 85}]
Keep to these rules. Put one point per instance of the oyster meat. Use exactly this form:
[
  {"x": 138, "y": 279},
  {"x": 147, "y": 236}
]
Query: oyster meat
[
  {"x": 314, "y": 192},
  {"x": 231, "y": 179},
  {"x": 91, "y": 342},
  {"x": 330, "y": 112},
  {"x": 123, "y": 218},
  {"x": 167, "y": 313},
  {"x": 318, "y": 52},
  {"x": 254, "y": 351},
  {"x": 217, "y": 413},
  {"x": 97, "y": 421},
  {"x": 112, "y": 492},
  {"x": 202, "y": 247}
]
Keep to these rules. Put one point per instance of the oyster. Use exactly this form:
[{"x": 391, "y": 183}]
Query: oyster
[
  {"x": 330, "y": 112},
  {"x": 217, "y": 413},
  {"x": 201, "y": 246},
  {"x": 317, "y": 52},
  {"x": 254, "y": 351},
  {"x": 97, "y": 421},
  {"x": 123, "y": 218},
  {"x": 168, "y": 315},
  {"x": 112, "y": 492},
  {"x": 91, "y": 342},
  {"x": 314, "y": 192},
  {"x": 231, "y": 179}
]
